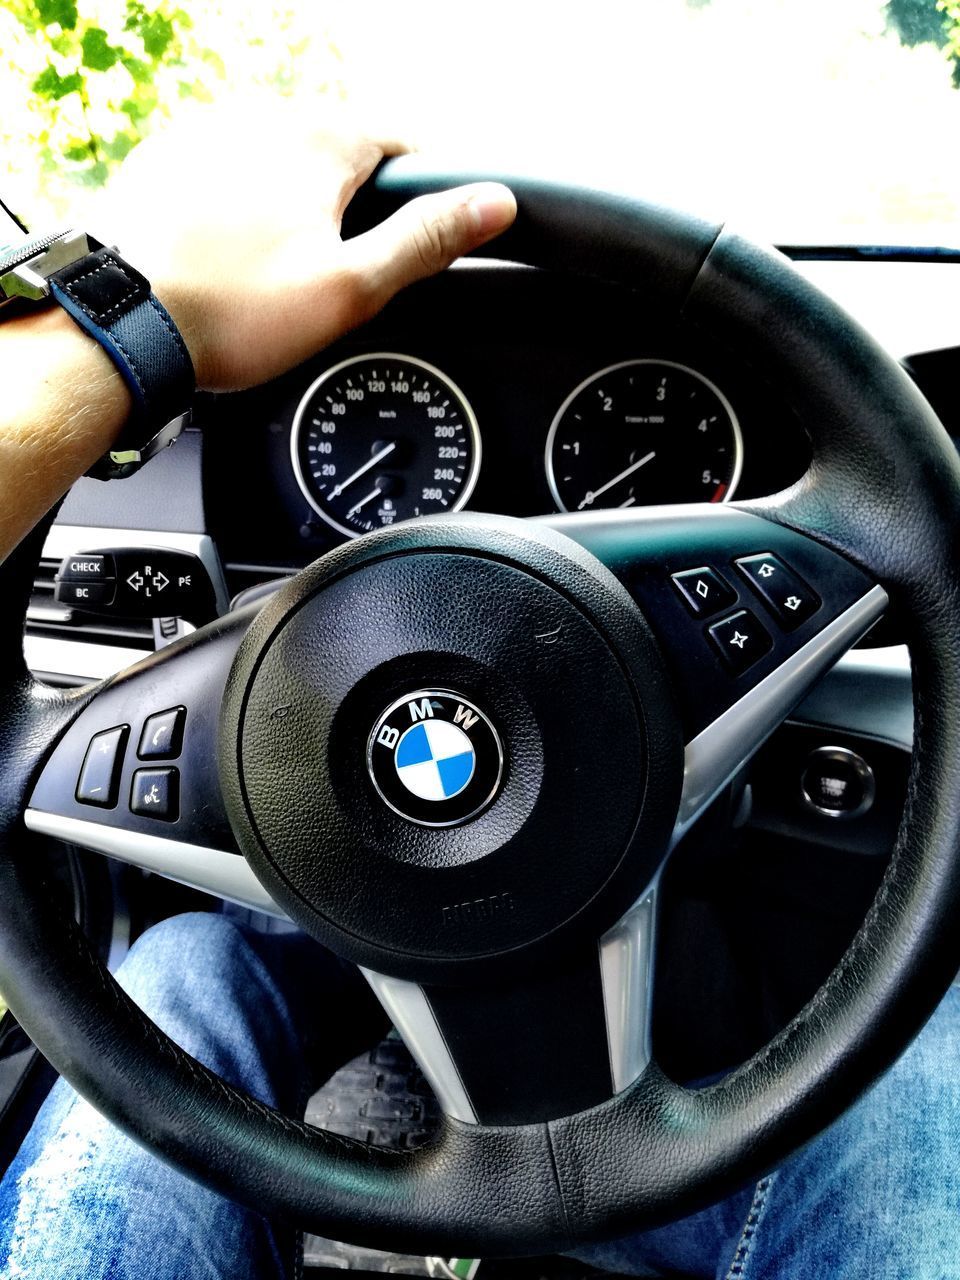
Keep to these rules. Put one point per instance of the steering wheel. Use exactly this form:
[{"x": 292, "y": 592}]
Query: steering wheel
[{"x": 593, "y": 714}]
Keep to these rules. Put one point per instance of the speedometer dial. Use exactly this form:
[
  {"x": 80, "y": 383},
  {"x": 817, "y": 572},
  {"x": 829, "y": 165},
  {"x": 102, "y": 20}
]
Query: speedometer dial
[
  {"x": 644, "y": 431},
  {"x": 380, "y": 438}
]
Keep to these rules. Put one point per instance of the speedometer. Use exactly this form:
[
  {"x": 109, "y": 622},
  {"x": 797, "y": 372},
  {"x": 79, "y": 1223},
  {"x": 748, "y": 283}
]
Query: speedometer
[
  {"x": 644, "y": 431},
  {"x": 383, "y": 437}
]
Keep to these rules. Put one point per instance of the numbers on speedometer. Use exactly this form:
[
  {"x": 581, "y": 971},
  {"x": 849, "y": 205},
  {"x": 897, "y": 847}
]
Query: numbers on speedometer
[
  {"x": 644, "y": 431},
  {"x": 383, "y": 437}
]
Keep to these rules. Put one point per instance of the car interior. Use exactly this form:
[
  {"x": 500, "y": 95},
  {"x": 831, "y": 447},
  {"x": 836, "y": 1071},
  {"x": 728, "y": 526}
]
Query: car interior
[{"x": 632, "y": 511}]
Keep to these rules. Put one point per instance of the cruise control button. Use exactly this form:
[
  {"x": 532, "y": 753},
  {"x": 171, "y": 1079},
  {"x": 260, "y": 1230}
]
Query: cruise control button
[
  {"x": 99, "y": 780},
  {"x": 704, "y": 591},
  {"x": 156, "y": 793},
  {"x": 740, "y": 640},
  {"x": 162, "y": 735},
  {"x": 791, "y": 600}
]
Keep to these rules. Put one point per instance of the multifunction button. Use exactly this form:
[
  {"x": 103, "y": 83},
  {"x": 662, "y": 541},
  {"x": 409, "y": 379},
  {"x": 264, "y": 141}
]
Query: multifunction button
[
  {"x": 704, "y": 591},
  {"x": 86, "y": 580},
  {"x": 740, "y": 640},
  {"x": 86, "y": 593},
  {"x": 156, "y": 793},
  {"x": 162, "y": 735},
  {"x": 787, "y": 595},
  {"x": 100, "y": 773},
  {"x": 86, "y": 567}
]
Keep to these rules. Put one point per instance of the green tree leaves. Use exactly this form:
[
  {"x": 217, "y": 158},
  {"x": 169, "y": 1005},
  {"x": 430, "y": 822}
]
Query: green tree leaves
[
  {"x": 98, "y": 53},
  {"x": 101, "y": 86},
  {"x": 51, "y": 85},
  {"x": 63, "y": 12},
  {"x": 951, "y": 11}
]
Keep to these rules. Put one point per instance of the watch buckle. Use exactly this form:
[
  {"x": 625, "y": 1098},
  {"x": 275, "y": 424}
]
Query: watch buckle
[
  {"x": 30, "y": 279},
  {"x": 116, "y": 464}
]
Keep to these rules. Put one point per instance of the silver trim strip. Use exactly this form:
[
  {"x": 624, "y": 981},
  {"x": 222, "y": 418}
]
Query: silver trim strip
[
  {"x": 226, "y": 875},
  {"x": 715, "y": 754},
  {"x": 409, "y": 1010},
  {"x": 65, "y": 539},
  {"x": 626, "y": 971}
]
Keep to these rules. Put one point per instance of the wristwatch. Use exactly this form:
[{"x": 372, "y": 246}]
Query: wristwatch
[{"x": 114, "y": 304}]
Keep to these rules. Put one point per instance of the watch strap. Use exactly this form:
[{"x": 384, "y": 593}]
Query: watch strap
[{"x": 114, "y": 303}]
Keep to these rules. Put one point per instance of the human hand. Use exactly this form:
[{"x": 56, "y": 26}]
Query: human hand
[{"x": 241, "y": 239}]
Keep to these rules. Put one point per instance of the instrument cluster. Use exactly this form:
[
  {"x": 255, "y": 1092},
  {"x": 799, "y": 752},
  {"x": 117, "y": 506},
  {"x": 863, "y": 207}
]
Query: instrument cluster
[
  {"x": 501, "y": 390},
  {"x": 382, "y": 437}
]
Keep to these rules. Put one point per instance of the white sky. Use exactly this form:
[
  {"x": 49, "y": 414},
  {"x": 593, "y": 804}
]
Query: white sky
[{"x": 800, "y": 119}]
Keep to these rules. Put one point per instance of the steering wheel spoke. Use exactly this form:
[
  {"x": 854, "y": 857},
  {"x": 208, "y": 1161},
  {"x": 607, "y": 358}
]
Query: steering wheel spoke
[
  {"x": 134, "y": 775},
  {"x": 541, "y": 1045},
  {"x": 749, "y": 615}
]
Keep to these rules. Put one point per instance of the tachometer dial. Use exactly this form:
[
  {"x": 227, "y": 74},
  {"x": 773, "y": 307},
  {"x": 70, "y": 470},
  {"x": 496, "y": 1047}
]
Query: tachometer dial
[
  {"x": 644, "y": 431},
  {"x": 380, "y": 438}
]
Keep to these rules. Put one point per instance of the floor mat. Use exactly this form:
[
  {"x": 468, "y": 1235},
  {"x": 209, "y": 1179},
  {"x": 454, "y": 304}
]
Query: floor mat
[{"x": 380, "y": 1098}]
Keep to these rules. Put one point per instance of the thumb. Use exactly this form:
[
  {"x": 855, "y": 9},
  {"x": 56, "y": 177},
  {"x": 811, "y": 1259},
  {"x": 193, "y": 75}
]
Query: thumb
[{"x": 426, "y": 235}]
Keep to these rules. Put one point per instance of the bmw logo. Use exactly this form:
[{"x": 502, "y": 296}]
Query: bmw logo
[{"x": 435, "y": 758}]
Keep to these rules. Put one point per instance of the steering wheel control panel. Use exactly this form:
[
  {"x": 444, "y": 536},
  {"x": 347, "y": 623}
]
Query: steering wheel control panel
[
  {"x": 741, "y": 639},
  {"x": 154, "y": 793},
  {"x": 727, "y": 611},
  {"x": 137, "y": 582},
  {"x": 138, "y": 759}
]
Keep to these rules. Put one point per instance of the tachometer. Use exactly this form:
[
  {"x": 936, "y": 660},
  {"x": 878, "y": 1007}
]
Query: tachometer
[
  {"x": 644, "y": 431},
  {"x": 379, "y": 438}
]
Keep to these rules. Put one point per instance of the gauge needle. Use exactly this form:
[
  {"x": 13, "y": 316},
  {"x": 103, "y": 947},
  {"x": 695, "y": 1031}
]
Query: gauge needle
[
  {"x": 590, "y": 498},
  {"x": 374, "y": 493},
  {"x": 337, "y": 489}
]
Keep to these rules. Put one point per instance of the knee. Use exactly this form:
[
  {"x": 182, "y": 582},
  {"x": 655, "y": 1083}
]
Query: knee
[{"x": 198, "y": 955}]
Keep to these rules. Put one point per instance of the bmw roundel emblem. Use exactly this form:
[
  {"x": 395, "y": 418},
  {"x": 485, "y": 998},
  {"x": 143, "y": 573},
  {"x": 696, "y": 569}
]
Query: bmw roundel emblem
[{"x": 435, "y": 758}]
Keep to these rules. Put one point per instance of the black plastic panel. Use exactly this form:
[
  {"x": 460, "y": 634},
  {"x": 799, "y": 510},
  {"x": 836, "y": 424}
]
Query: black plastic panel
[
  {"x": 530, "y": 1051},
  {"x": 170, "y": 678},
  {"x": 645, "y": 553}
]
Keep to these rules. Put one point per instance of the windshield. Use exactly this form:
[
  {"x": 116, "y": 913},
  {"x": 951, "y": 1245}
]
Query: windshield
[{"x": 804, "y": 121}]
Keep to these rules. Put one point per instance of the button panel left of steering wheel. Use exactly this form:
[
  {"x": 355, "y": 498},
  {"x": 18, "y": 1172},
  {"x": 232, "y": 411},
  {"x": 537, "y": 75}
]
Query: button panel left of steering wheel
[{"x": 158, "y": 774}]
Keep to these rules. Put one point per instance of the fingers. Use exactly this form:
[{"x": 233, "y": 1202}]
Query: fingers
[{"x": 425, "y": 236}]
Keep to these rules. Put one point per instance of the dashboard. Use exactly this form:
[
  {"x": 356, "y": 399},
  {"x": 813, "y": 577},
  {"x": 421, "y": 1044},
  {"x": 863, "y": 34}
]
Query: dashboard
[
  {"x": 507, "y": 358},
  {"x": 492, "y": 364},
  {"x": 499, "y": 389}
]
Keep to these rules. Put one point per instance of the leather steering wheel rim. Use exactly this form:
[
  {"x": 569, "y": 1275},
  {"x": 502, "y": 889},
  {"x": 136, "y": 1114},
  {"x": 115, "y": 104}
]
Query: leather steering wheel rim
[{"x": 884, "y": 490}]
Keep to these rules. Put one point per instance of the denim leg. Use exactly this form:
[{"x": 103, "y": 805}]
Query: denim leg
[
  {"x": 874, "y": 1197},
  {"x": 878, "y": 1194},
  {"x": 83, "y": 1202}
]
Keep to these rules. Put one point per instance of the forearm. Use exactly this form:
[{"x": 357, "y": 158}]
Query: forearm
[
  {"x": 62, "y": 405},
  {"x": 255, "y": 285}
]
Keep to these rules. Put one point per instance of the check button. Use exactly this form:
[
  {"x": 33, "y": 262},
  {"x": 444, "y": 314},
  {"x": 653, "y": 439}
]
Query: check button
[{"x": 740, "y": 640}]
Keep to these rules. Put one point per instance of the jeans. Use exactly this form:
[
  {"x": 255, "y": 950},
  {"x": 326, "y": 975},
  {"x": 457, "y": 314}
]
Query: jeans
[{"x": 876, "y": 1196}]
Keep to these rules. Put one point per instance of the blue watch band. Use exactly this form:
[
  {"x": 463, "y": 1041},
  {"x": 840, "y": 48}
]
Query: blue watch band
[{"x": 114, "y": 304}]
